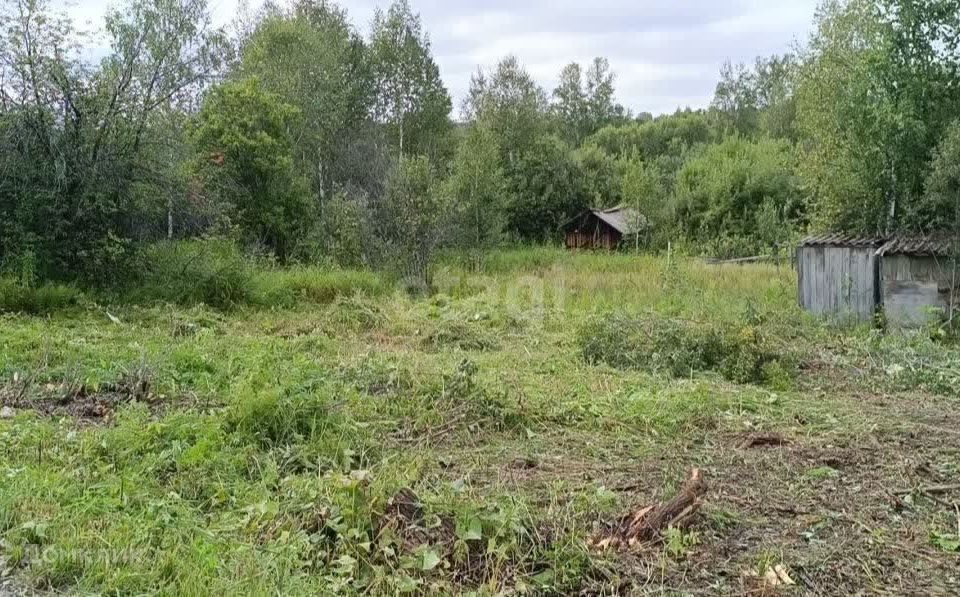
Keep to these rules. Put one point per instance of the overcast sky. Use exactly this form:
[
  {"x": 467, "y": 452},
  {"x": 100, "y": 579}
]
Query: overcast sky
[{"x": 666, "y": 53}]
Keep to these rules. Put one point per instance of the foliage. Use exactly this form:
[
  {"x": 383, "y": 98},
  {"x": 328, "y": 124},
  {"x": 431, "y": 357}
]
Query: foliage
[
  {"x": 412, "y": 220},
  {"x": 876, "y": 91},
  {"x": 343, "y": 232},
  {"x": 736, "y": 98},
  {"x": 645, "y": 190},
  {"x": 739, "y": 189},
  {"x": 212, "y": 272},
  {"x": 477, "y": 187},
  {"x": 410, "y": 97},
  {"x": 582, "y": 107},
  {"x": 600, "y": 177},
  {"x": 217, "y": 274},
  {"x": 941, "y": 207},
  {"x": 665, "y": 136},
  {"x": 547, "y": 193},
  {"x": 101, "y": 157},
  {"x": 77, "y": 138},
  {"x": 310, "y": 57},
  {"x": 17, "y": 297},
  {"x": 248, "y": 163},
  {"x": 510, "y": 103},
  {"x": 758, "y": 99}
]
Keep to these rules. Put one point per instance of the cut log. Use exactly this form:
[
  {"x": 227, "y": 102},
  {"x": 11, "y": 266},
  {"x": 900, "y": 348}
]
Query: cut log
[{"x": 647, "y": 524}]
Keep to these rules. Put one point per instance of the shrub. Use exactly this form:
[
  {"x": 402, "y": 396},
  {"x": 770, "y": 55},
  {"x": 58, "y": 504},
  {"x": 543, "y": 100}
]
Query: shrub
[
  {"x": 16, "y": 297},
  {"x": 680, "y": 348},
  {"x": 342, "y": 233},
  {"x": 213, "y": 272}
]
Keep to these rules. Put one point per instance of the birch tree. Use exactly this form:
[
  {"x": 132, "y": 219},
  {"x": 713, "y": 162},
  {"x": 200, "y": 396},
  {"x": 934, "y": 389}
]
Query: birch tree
[
  {"x": 478, "y": 191},
  {"x": 411, "y": 100}
]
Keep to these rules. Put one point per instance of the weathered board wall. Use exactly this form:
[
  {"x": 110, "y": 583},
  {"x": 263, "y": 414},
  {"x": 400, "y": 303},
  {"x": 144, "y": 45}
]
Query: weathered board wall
[
  {"x": 914, "y": 289},
  {"x": 839, "y": 281},
  {"x": 592, "y": 234}
]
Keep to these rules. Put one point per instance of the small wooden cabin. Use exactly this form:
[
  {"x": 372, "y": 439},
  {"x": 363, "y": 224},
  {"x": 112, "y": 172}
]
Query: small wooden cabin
[
  {"x": 907, "y": 279},
  {"x": 603, "y": 228}
]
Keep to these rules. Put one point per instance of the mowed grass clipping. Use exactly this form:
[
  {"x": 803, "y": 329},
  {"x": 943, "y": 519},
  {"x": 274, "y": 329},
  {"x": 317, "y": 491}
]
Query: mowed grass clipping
[{"x": 266, "y": 450}]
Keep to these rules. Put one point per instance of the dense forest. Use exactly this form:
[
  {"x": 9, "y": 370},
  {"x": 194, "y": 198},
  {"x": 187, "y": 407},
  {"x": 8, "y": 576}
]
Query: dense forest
[{"x": 299, "y": 136}]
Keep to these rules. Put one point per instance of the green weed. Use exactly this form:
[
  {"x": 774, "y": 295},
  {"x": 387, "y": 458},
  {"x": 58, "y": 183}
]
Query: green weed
[{"x": 16, "y": 297}]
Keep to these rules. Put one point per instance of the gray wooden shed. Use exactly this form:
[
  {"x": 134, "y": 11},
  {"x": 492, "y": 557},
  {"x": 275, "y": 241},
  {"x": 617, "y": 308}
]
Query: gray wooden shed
[
  {"x": 838, "y": 276},
  {"x": 917, "y": 280},
  {"x": 909, "y": 280}
]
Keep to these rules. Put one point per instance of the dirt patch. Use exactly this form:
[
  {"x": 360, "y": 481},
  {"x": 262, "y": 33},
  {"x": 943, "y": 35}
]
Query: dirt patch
[
  {"x": 404, "y": 520},
  {"x": 838, "y": 505},
  {"x": 89, "y": 404},
  {"x": 830, "y": 510},
  {"x": 764, "y": 440}
]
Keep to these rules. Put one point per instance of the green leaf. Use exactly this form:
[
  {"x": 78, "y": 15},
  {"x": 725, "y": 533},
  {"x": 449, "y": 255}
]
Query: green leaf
[
  {"x": 474, "y": 530},
  {"x": 430, "y": 559},
  {"x": 545, "y": 578}
]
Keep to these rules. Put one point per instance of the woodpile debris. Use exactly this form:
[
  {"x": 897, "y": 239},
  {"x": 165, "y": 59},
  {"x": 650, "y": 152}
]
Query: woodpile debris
[{"x": 646, "y": 524}]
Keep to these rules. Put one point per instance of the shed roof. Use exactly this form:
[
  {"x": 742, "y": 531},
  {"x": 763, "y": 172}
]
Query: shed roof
[
  {"x": 893, "y": 245},
  {"x": 919, "y": 246},
  {"x": 624, "y": 220},
  {"x": 842, "y": 240}
]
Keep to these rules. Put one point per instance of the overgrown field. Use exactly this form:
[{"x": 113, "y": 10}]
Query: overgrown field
[{"x": 321, "y": 432}]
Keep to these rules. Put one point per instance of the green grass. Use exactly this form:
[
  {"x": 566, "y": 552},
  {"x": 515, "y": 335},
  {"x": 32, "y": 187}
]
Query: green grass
[
  {"x": 281, "y": 423},
  {"x": 215, "y": 273},
  {"x": 44, "y": 299}
]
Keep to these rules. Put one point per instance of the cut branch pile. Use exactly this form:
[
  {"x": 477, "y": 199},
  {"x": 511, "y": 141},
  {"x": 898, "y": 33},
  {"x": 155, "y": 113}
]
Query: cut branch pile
[{"x": 646, "y": 524}]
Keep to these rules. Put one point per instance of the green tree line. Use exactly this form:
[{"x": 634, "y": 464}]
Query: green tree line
[{"x": 301, "y": 137}]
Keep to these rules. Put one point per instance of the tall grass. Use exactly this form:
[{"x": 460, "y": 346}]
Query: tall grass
[
  {"x": 44, "y": 299},
  {"x": 218, "y": 274},
  {"x": 286, "y": 287},
  {"x": 581, "y": 283}
]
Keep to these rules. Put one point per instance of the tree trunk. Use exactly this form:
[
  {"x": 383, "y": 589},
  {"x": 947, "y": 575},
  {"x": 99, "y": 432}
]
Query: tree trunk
[
  {"x": 891, "y": 197},
  {"x": 170, "y": 217}
]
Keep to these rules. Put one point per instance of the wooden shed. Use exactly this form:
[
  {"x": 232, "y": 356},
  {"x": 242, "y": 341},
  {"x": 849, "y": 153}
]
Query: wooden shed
[
  {"x": 856, "y": 278},
  {"x": 838, "y": 276},
  {"x": 917, "y": 280},
  {"x": 603, "y": 228}
]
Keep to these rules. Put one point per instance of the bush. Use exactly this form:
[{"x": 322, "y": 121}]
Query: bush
[
  {"x": 342, "y": 233},
  {"x": 681, "y": 348},
  {"x": 213, "y": 272},
  {"x": 16, "y": 297}
]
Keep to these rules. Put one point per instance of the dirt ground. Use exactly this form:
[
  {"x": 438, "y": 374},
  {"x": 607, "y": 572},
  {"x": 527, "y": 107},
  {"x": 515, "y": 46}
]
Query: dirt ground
[{"x": 842, "y": 509}]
